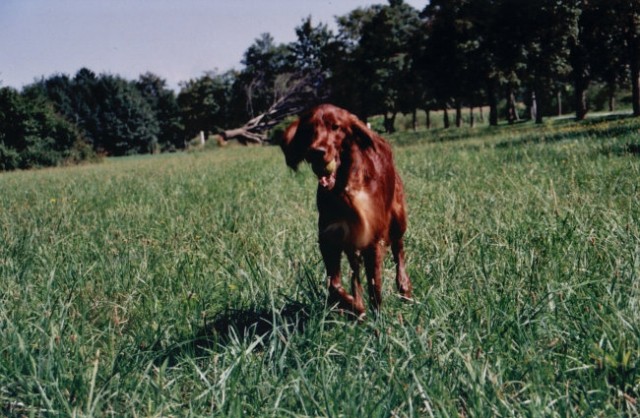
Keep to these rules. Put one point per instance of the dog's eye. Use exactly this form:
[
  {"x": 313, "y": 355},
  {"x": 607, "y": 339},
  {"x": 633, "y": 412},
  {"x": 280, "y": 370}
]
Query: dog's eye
[{"x": 335, "y": 127}]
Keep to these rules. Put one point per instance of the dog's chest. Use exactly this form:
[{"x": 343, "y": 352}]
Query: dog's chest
[{"x": 353, "y": 220}]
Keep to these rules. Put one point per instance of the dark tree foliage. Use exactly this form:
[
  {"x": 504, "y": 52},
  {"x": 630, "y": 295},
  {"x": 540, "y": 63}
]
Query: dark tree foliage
[
  {"x": 384, "y": 51},
  {"x": 32, "y": 134},
  {"x": 204, "y": 103},
  {"x": 125, "y": 122},
  {"x": 263, "y": 62},
  {"x": 311, "y": 52},
  {"x": 373, "y": 70},
  {"x": 164, "y": 104},
  {"x": 111, "y": 112},
  {"x": 547, "y": 31},
  {"x": 349, "y": 74},
  {"x": 449, "y": 43},
  {"x": 580, "y": 58}
]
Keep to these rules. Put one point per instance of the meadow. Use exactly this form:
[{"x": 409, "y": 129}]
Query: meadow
[{"x": 190, "y": 284}]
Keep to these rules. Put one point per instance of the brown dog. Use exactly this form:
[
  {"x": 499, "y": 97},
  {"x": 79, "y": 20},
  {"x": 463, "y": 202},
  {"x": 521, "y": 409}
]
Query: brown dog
[{"x": 360, "y": 200}]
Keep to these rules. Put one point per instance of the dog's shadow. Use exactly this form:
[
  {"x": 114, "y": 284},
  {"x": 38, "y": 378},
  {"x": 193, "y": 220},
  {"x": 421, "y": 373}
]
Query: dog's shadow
[
  {"x": 240, "y": 326},
  {"x": 235, "y": 324}
]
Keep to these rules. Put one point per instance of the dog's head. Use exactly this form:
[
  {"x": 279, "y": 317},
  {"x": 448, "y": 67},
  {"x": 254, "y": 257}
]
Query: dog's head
[{"x": 321, "y": 137}]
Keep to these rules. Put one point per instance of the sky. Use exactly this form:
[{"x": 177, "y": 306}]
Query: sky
[{"x": 176, "y": 39}]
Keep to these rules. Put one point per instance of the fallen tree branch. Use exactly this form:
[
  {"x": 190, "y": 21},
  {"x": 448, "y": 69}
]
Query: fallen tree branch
[{"x": 293, "y": 94}]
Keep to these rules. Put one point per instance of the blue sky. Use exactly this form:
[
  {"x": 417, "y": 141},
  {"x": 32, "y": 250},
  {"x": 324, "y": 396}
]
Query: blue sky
[{"x": 176, "y": 39}]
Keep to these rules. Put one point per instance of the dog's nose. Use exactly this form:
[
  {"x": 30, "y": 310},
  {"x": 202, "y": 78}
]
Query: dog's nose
[{"x": 316, "y": 154}]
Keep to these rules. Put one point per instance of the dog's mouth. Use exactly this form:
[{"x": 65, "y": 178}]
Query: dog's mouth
[{"x": 326, "y": 173}]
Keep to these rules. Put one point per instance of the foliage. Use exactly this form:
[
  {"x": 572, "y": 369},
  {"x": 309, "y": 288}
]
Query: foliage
[
  {"x": 263, "y": 62},
  {"x": 311, "y": 50},
  {"x": 164, "y": 105},
  {"x": 110, "y": 111},
  {"x": 33, "y": 135},
  {"x": 191, "y": 284},
  {"x": 384, "y": 52},
  {"x": 204, "y": 103}
]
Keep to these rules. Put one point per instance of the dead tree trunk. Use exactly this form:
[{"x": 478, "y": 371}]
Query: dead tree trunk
[
  {"x": 512, "y": 111},
  {"x": 390, "y": 122},
  {"x": 414, "y": 119},
  {"x": 493, "y": 104},
  {"x": 296, "y": 93},
  {"x": 559, "y": 100},
  {"x": 445, "y": 117}
]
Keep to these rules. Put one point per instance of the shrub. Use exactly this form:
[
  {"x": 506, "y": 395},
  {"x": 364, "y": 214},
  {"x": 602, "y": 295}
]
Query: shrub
[{"x": 32, "y": 134}]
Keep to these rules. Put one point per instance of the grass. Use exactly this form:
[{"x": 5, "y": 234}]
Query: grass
[{"x": 191, "y": 284}]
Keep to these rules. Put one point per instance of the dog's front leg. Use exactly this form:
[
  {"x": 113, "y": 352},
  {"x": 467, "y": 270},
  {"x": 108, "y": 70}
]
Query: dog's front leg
[
  {"x": 356, "y": 287},
  {"x": 338, "y": 296},
  {"x": 373, "y": 267}
]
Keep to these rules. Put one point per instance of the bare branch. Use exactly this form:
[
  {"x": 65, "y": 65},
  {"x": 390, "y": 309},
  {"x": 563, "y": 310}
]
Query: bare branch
[{"x": 293, "y": 93}]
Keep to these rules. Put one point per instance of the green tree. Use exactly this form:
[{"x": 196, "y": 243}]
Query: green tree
[
  {"x": 581, "y": 56},
  {"x": 263, "y": 62},
  {"x": 110, "y": 112},
  {"x": 549, "y": 25},
  {"x": 32, "y": 134},
  {"x": 376, "y": 42},
  {"x": 632, "y": 37},
  {"x": 313, "y": 47},
  {"x": 618, "y": 33},
  {"x": 125, "y": 122},
  {"x": 450, "y": 56},
  {"x": 346, "y": 59},
  {"x": 165, "y": 106},
  {"x": 205, "y": 102},
  {"x": 609, "y": 62}
]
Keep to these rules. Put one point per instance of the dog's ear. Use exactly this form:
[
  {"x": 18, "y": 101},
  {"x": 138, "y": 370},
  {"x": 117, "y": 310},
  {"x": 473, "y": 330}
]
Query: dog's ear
[
  {"x": 288, "y": 134},
  {"x": 364, "y": 136},
  {"x": 294, "y": 144}
]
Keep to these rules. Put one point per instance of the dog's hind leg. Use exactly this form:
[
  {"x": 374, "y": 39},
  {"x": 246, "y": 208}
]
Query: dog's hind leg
[
  {"x": 356, "y": 286},
  {"x": 373, "y": 266},
  {"x": 403, "y": 282}
]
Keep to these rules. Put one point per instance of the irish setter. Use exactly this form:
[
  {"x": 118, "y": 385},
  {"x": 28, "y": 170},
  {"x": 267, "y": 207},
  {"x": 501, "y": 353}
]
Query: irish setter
[{"x": 360, "y": 200}]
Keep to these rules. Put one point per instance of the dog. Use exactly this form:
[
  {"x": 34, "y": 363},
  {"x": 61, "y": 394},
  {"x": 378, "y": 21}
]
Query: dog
[{"x": 360, "y": 200}]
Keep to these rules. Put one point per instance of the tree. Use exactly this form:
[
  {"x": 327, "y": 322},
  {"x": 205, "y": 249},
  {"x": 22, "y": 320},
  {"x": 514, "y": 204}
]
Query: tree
[
  {"x": 377, "y": 41},
  {"x": 312, "y": 49},
  {"x": 582, "y": 42},
  {"x": 204, "y": 103},
  {"x": 109, "y": 111},
  {"x": 347, "y": 59},
  {"x": 293, "y": 94},
  {"x": 540, "y": 32},
  {"x": 164, "y": 105},
  {"x": 126, "y": 123},
  {"x": 282, "y": 80},
  {"x": 450, "y": 45},
  {"x": 32, "y": 134},
  {"x": 632, "y": 32},
  {"x": 263, "y": 61}
]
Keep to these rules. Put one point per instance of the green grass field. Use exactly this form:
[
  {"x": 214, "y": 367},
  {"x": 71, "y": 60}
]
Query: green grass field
[{"x": 191, "y": 284}]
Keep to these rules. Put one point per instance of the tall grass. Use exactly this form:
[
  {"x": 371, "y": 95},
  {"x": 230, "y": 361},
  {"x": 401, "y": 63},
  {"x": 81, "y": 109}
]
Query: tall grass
[{"x": 191, "y": 285}]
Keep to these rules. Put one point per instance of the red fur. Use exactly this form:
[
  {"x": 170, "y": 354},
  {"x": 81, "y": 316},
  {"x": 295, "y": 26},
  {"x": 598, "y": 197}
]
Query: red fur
[{"x": 361, "y": 205}]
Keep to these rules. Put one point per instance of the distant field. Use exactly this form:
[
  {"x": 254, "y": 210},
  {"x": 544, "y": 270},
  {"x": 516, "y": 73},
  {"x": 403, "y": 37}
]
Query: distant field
[{"x": 119, "y": 281}]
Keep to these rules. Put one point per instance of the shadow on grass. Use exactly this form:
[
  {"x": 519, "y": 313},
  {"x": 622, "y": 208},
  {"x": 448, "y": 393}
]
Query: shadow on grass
[
  {"x": 633, "y": 149},
  {"x": 235, "y": 326},
  {"x": 615, "y": 125},
  {"x": 240, "y": 323}
]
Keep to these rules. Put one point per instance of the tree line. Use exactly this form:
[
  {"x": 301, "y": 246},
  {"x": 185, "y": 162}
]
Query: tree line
[{"x": 382, "y": 60}]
